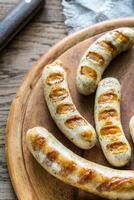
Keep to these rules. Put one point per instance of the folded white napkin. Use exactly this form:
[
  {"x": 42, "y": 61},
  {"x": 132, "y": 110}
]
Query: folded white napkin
[{"x": 82, "y": 13}]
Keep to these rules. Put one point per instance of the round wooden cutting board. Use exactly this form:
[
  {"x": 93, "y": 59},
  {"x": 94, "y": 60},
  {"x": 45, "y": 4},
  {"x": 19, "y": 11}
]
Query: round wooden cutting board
[{"x": 29, "y": 109}]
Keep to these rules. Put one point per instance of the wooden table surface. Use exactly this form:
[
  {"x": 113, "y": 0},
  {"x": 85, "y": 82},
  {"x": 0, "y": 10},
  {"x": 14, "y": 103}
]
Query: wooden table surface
[{"x": 46, "y": 29}]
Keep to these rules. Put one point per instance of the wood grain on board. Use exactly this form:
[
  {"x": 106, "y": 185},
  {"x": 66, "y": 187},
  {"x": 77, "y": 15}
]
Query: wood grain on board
[{"x": 29, "y": 109}]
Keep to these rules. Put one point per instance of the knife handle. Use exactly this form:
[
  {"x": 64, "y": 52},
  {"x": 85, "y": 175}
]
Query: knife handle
[{"x": 17, "y": 18}]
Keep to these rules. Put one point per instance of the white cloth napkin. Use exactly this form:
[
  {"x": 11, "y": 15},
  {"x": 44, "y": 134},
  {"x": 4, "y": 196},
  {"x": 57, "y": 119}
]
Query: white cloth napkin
[{"x": 82, "y": 13}]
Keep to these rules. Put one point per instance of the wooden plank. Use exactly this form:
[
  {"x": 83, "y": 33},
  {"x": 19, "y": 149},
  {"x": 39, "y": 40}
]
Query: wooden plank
[{"x": 38, "y": 36}]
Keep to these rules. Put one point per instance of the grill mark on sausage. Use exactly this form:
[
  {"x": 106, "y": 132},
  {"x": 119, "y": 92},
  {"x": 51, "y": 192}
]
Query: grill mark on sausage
[
  {"x": 54, "y": 78},
  {"x": 51, "y": 156},
  {"x": 88, "y": 72},
  {"x": 115, "y": 183},
  {"x": 86, "y": 135},
  {"x": 37, "y": 142},
  {"x": 86, "y": 175},
  {"x": 75, "y": 121},
  {"x": 95, "y": 57},
  {"x": 108, "y": 130},
  {"x": 107, "y": 97},
  {"x": 64, "y": 108},
  {"x": 58, "y": 94},
  {"x": 107, "y": 114},
  {"x": 117, "y": 147},
  {"x": 107, "y": 45},
  {"x": 67, "y": 167},
  {"x": 121, "y": 37}
]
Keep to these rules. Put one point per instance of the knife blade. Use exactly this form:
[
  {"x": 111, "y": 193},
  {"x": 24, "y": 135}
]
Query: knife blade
[{"x": 17, "y": 19}]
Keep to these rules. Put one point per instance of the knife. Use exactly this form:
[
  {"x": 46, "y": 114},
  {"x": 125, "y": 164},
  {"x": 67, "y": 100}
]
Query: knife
[{"x": 17, "y": 19}]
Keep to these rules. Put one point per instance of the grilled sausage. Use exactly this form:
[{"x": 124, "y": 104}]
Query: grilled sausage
[
  {"x": 131, "y": 127},
  {"x": 76, "y": 171},
  {"x": 108, "y": 123},
  {"x": 62, "y": 109},
  {"x": 99, "y": 55}
]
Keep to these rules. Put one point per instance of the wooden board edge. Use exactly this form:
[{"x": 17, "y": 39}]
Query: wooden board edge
[{"x": 14, "y": 119}]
